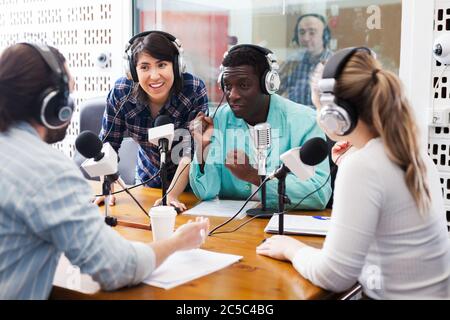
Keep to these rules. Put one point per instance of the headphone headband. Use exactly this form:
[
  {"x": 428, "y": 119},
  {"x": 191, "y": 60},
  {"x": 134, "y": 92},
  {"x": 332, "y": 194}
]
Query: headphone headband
[
  {"x": 337, "y": 62},
  {"x": 179, "y": 65},
  {"x": 56, "y": 106},
  {"x": 326, "y": 36}
]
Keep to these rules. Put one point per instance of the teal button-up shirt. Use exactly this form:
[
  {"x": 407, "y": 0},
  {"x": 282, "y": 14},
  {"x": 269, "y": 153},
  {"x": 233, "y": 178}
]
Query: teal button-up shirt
[{"x": 292, "y": 125}]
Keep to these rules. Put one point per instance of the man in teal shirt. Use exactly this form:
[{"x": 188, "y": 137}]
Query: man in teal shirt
[{"x": 225, "y": 154}]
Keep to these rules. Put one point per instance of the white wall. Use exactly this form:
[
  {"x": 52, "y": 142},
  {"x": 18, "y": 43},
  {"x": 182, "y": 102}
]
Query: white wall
[{"x": 81, "y": 30}]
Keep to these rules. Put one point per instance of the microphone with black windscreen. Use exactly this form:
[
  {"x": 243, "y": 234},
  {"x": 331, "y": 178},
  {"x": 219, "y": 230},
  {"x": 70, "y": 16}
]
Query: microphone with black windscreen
[
  {"x": 313, "y": 152},
  {"x": 301, "y": 162},
  {"x": 162, "y": 135},
  {"x": 102, "y": 159}
]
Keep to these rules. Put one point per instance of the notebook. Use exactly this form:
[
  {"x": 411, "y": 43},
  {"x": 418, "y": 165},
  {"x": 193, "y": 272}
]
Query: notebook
[{"x": 296, "y": 224}]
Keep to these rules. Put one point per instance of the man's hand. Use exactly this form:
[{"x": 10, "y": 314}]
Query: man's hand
[
  {"x": 201, "y": 129},
  {"x": 238, "y": 163}
]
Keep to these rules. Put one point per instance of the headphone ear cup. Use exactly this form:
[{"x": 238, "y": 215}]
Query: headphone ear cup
[
  {"x": 262, "y": 82},
  {"x": 326, "y": 37},
  {"x": 132, "y": 69},
  {"x": 220, "y": 81},
  {"x": 56, "y": 110},
  {"x": 271, "y": 82},
  {"x": 176, "y": 67},
  {"x": 181, "y": 65},
  {"x": 351, "y": 114},
  {"x": 338, "y": 119}
]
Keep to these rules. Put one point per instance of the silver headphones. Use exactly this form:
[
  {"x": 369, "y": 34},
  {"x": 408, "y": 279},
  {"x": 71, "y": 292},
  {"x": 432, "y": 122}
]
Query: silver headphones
[
  {"x": 337, "y": 115},
  {"x": 270, "y": 80}
]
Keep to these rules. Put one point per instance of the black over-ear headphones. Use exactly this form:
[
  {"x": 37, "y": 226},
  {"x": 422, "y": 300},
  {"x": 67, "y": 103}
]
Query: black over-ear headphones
[
  {"x": 326, "y": 36},
  {"x": 337, "y": 115},
  {"x": 178, "y": 64},
  {"x": 270, "y": 79},
  {"x": 56, "y": 105}
]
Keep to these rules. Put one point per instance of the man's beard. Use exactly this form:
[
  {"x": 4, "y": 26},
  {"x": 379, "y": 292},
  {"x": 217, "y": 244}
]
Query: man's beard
[{"x": 55, "y": 135}]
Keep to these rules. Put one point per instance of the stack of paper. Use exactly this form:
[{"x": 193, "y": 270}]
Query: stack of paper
[
  {"x": 221, "y": 208},
  {"x": 184, "y": 266},
  {"x": 295, "y": 224}
]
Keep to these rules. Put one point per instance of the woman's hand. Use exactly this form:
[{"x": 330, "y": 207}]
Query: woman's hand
[
  {"x": 101, "y": 200},
  {"x": 172, "y": 201},
  {"x": 280, "y": 247},
  {"x": 338, "y": 151}
]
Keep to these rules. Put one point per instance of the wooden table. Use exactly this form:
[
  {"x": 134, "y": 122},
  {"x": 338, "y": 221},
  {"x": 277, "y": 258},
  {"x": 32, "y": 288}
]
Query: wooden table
[{"x": 253, "y": 277}]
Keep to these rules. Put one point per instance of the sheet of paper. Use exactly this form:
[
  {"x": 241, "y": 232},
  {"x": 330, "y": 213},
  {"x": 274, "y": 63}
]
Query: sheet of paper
[
  {"x": 184, "y": 266},
  {"x": 221, "y": 208},
  {"x": 296, "y": 224},
  {"x": 70, "y": 277}
]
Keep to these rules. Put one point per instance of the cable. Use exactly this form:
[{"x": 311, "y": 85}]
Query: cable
[
  {"x": 329, "y": 175},
  {"x": 137, "y": 202},
  {"x": 247, "y": 221},
  {"x": 323, "y": 184},
  {"x": 174, "y": 184},
  {"x": 218, "y": 106},
  {"x": 132, "y": 187},
  {"x": 243, "y": 206},
  {"x": 117, "y": 113},
  {"x": 276, "y": 213}
]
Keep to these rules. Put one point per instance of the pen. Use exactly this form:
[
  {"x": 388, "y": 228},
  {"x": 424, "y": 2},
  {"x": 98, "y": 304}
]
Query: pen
[{"x": 321, "y": 218}]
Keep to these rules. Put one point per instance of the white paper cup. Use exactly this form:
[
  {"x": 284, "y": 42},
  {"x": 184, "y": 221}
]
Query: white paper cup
[{"x": 163, "y": 222}]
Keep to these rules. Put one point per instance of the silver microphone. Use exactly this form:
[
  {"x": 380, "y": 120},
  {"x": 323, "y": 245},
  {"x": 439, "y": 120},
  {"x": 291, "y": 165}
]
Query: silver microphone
[{"x": 263, "y": 139}]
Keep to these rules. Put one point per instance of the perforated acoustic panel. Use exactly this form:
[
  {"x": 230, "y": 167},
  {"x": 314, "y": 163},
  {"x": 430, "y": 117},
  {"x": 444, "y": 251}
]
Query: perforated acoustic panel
[
  {"x": 439, "y": 137},
  {"x": 83, "y": 31}
]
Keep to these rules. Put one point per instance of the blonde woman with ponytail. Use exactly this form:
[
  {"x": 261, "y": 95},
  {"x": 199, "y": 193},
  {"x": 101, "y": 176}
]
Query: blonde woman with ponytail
[{"x": 388, "y": 228}]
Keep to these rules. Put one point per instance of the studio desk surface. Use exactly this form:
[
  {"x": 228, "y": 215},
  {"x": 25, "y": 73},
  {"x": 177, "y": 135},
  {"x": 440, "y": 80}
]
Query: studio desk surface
[{"x": 253, "y": 277}]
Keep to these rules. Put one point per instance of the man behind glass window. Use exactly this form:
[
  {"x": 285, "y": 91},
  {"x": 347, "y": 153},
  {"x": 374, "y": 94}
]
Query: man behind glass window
[{"x": 312, "y": 35}]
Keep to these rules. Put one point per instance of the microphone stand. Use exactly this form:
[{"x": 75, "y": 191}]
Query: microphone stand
[
  {"x": 282, "y": 200},
  {"x": 163, "y": 148},
  {"x": 262, "y": 212},
  {"x": 106, "y": 191}
]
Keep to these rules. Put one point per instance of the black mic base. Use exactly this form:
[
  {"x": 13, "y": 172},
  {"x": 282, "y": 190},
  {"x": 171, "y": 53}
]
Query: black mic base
[
  {"x": 111, "y": 221},
  {"x": 265, "y": 213}
]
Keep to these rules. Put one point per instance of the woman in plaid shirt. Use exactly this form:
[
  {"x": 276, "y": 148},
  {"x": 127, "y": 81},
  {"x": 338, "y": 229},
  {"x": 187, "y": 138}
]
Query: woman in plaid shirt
[{"x": 156, "y": 85}]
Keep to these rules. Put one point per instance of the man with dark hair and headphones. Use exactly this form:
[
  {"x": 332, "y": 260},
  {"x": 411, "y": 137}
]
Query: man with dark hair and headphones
[
  {"x": 224, "y": 158},
  {"x": 45, "y": 207},
  {"x": 312, "y": 35},
  {"x": 157, "y": 84}
]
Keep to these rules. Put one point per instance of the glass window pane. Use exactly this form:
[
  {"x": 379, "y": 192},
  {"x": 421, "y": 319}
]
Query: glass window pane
[{"x": 207, "y": 28}]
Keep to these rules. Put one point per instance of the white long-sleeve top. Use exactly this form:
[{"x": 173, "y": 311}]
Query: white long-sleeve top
[{"x": 377, "y": 235}]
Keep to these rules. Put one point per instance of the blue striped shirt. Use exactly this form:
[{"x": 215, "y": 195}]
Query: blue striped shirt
[
  {"x": 135, "y": 118},
  {"x": 295, "y": 76},
  {"x": 45, "y": 210}
]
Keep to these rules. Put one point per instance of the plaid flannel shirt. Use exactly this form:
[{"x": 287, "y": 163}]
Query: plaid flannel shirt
[
  {"x": 295, "y": 76},
  {"x": 135, "y": 119}
]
